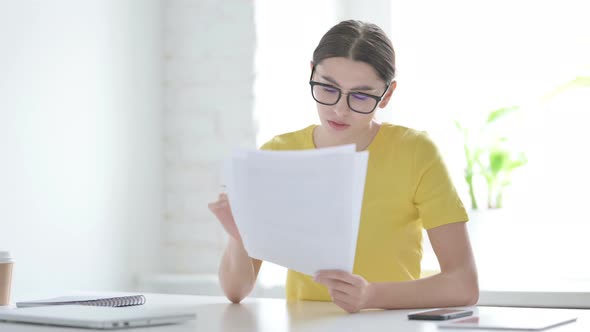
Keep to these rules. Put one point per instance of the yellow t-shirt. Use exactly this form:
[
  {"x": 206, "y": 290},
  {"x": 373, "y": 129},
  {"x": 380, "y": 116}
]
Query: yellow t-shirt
[{"x": 407, "y": 187}]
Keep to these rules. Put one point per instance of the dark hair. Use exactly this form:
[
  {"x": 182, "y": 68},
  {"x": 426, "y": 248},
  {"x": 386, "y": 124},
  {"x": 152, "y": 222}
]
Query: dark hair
[{"x": 358, "y": 41}]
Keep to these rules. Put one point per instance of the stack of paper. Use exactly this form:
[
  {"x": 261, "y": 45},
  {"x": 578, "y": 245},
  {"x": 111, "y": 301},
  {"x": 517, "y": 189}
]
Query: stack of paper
[{"x": 299, "y": 209}]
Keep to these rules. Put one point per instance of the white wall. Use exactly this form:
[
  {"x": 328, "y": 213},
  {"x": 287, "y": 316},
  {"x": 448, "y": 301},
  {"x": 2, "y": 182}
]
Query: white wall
[
  {"x": 80, "y": 143},
  {"x": 374, "y": 11},
  {"x": 208, "y": 100}
]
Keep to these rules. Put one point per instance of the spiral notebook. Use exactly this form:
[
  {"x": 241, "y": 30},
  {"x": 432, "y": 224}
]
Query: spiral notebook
[{"x": 102, "y": 301}]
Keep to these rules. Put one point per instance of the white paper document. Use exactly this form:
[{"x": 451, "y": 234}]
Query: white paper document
[{"x": 299, "y": 209}]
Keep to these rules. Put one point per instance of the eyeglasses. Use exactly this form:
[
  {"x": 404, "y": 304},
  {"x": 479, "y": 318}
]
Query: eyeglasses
[{"x": 359, "y": 102}]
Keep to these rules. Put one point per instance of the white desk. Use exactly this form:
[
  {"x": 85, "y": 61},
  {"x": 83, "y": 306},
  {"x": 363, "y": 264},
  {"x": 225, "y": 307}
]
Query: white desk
[{"x": 217, "y": 314}]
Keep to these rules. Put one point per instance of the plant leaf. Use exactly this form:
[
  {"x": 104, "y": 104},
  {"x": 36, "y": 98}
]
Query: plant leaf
[
  {"x": 578, "y": 82},
  {"x": 500, "y": 113},
  {"x": 498, "y": 161}
]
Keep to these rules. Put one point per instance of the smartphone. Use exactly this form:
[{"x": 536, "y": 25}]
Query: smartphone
[{"x": 440, "y": 314}]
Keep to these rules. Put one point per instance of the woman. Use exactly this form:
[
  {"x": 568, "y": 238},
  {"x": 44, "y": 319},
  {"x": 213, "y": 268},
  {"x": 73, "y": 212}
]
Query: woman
[{"x": 407, "y": 188}]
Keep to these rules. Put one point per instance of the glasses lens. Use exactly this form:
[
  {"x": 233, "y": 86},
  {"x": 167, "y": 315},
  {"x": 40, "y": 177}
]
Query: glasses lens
[
  {"x": 361, "y": 103},
  {"x": 325, "y": 94}
]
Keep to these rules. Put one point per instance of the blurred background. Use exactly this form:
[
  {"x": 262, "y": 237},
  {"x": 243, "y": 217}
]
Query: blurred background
[{"x": 116, "y": 116}]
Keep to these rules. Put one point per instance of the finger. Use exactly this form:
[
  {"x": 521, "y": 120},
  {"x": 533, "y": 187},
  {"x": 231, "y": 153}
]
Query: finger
[
  {"x": 337, "y": 285},
  {"x": 221, "y": 204},
  {"x": 343, "y": 300},
  {"x": 215, "y": 206},
  {"x": 337, "y": 275},
  {"x": 346, "y": 306},
  {"x": 333, "y": 272},
  {"x": 347, "y": 303},
  {"x": 337, "y": 293},
  {"x": 341, "y": 295},
  {"x": 326, "y": 278},
  {"x": 222, "y": 198}
]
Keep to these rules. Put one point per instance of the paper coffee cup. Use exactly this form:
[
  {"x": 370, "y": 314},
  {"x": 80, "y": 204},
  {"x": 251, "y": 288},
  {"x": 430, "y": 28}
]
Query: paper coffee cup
[{"x": 6, "y": 264}]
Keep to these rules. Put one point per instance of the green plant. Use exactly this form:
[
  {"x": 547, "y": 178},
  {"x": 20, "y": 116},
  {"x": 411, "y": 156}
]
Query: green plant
[{"x": 488, "y": 153}]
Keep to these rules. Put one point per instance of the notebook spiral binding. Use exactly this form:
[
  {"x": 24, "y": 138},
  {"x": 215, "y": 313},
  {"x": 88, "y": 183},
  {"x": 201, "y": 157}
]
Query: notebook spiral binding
[{"x": 123, "y": 301}]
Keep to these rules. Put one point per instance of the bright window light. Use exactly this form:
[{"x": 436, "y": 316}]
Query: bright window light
[{"x": 460, "y": 60}]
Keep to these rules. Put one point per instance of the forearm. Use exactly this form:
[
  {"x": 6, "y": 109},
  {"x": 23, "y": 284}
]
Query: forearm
[
  {"x": 458, "y": 288},
  {"x": 237, "y": 272}
]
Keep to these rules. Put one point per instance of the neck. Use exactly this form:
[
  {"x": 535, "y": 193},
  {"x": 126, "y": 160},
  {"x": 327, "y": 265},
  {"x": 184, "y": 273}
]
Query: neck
[{"x": 361, "y": 140}]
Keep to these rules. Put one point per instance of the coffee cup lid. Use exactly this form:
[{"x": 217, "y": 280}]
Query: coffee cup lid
[{"x": 5, "y": 256}]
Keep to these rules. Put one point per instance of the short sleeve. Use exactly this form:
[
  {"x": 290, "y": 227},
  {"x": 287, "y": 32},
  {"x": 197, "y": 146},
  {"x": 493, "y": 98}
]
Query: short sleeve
[
  {"x": 270, "y": 145},
  {"x": 435, "y": 196}
]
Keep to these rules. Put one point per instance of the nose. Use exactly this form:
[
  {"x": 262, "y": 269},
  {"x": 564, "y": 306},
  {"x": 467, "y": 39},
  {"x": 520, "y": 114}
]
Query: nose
[{"x": 341, "y": 107}]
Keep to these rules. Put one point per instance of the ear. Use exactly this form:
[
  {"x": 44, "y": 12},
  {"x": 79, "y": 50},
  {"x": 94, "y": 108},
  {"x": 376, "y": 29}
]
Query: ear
[
  {"x": 311, "y": 64},
  {"x": 388, "y": 94}
]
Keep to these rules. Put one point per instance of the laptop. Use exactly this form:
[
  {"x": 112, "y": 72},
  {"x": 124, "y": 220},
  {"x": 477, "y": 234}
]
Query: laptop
[{"x": 95, "y": 317}]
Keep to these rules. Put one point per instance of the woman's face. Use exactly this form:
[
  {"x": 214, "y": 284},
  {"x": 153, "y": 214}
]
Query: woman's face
[{"x": 338, "y": 120}]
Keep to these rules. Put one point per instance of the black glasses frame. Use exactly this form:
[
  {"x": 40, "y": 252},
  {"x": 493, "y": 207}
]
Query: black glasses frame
[{"x": 313, "y": 83}]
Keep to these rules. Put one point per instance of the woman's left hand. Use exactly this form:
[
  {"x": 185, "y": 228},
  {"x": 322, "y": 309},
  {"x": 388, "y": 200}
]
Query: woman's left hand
[{"x": 349, "y": 291}]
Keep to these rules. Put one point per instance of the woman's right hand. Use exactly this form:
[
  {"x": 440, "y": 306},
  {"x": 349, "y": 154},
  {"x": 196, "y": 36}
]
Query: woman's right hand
[{"x": 221, "y": 209}]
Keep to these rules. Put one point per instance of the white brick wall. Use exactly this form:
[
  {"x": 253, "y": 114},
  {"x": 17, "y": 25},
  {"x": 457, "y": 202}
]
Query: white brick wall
[{"x": 208, "y": 100}]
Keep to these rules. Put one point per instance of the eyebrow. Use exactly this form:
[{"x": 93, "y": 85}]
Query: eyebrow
[{"x": 358, "y": 88}]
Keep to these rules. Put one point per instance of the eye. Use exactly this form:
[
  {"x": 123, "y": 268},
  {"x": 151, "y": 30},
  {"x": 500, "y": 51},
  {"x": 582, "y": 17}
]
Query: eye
[
  {"x": 359, "y": 97},
  {"x": 330, "y": 89}
]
